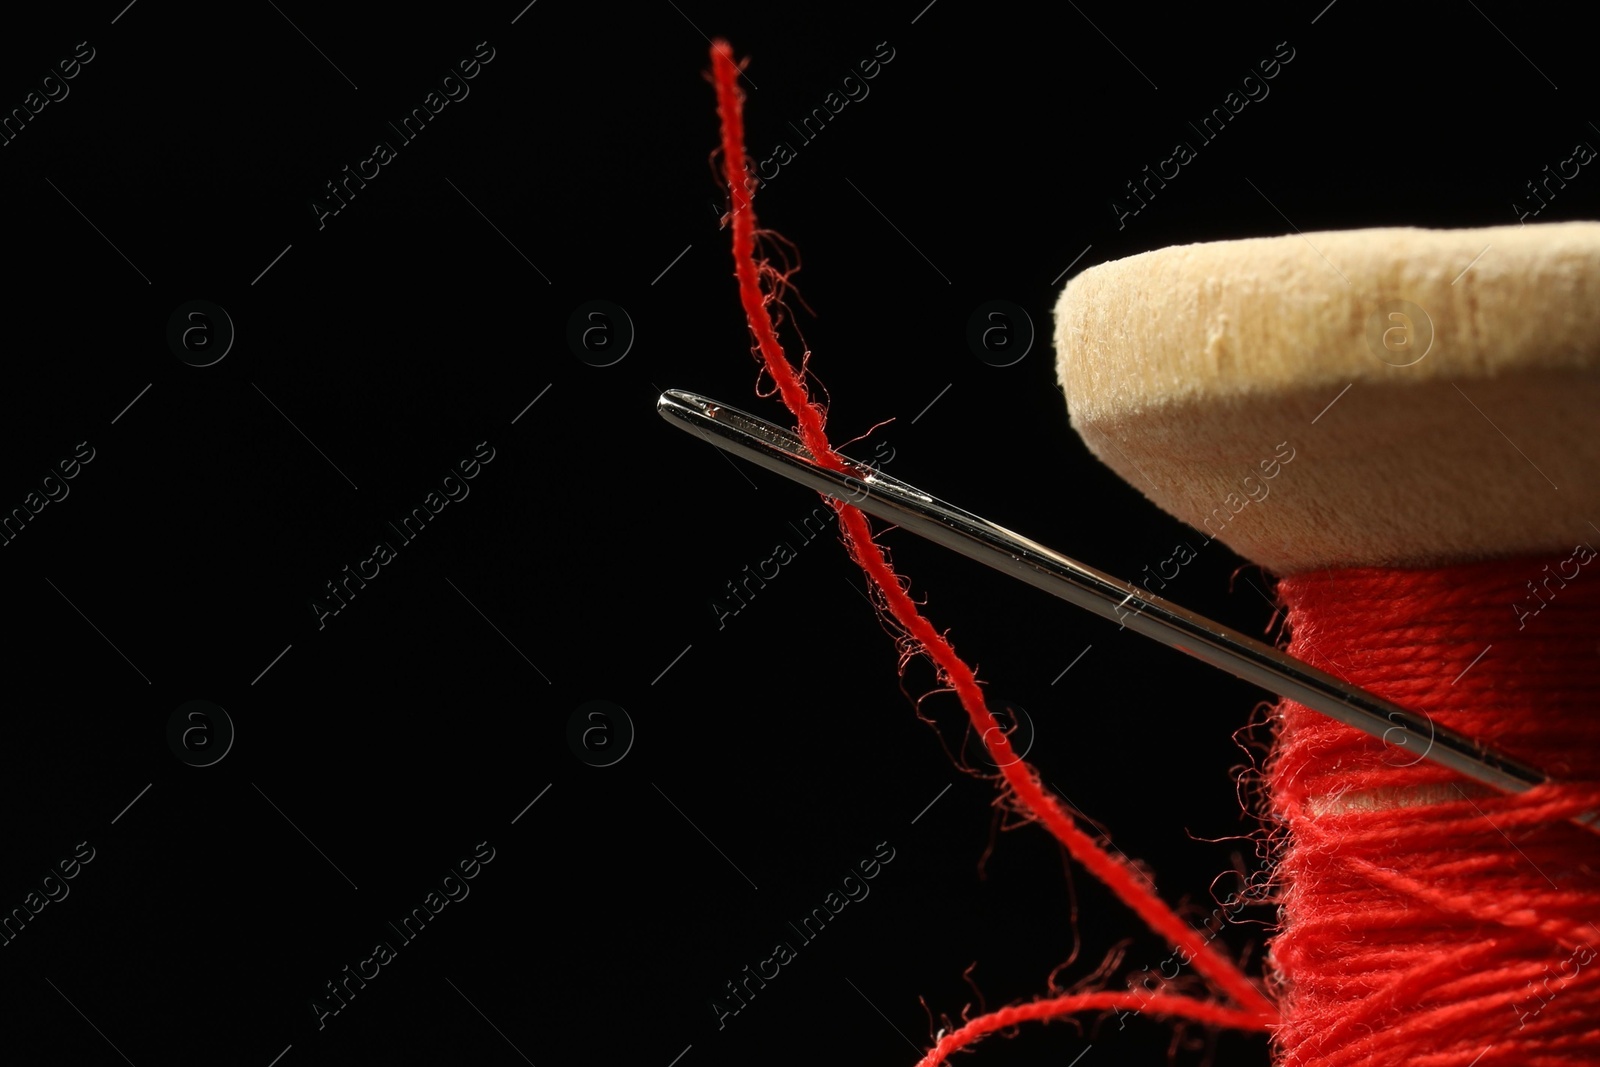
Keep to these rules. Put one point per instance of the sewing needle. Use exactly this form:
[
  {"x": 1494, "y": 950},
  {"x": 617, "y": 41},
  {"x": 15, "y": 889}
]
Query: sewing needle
[{"x": 877, "y": 494}]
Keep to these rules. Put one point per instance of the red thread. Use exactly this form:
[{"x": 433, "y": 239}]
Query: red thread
[
  {"x": 1426, "y": 920},
  {"x": 1027, "y": 795}
]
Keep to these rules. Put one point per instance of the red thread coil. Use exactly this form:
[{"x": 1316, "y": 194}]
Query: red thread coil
[{"x": 1427, "y": 921}]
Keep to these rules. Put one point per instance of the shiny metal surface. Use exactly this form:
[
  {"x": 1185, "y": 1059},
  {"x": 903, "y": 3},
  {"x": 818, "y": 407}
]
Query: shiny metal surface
[{"x": 1414, "y": 736}]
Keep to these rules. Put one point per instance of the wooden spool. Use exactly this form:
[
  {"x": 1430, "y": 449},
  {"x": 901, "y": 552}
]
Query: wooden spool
[{"x": 1440, "y": 390}]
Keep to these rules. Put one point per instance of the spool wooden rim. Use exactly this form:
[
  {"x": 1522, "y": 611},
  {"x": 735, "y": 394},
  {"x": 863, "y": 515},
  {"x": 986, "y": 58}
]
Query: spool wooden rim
[{"x": 1378, "y": 397}]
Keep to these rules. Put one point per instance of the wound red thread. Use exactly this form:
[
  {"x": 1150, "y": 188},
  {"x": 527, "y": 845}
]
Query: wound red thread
[
  {"x": 1426, "y": 920},
  {"x": 1254, "y": 1011}
]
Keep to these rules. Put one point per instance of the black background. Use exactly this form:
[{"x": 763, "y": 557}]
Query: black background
[{"x": 771, "y": 754}]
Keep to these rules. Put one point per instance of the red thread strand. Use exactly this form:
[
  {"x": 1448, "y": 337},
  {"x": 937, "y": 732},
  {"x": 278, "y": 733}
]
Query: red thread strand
[
  {"x": 1160, "y": 1005},
  {"x": 1255, "y": 1011},
  {"x": 1425, "y": 921},
  {"x": 1458, "y": 927}
]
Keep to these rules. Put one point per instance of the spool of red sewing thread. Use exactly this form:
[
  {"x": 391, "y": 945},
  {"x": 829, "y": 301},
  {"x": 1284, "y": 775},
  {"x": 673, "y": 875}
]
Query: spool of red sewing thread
[{"x": 1401, "y": 424}]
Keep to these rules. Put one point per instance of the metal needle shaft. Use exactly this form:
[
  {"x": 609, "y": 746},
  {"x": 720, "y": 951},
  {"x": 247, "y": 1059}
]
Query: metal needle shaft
[{"x": 889, "y": 499}]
